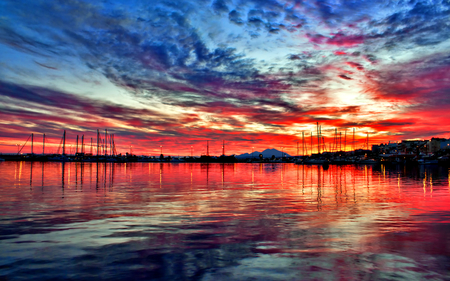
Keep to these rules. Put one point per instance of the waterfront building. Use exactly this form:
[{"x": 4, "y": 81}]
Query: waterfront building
[{"x": 434, "y": 144}]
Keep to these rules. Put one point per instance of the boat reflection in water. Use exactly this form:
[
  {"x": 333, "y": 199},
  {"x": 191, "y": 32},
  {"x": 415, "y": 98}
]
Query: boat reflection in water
[{"x": 184, "y": 221}]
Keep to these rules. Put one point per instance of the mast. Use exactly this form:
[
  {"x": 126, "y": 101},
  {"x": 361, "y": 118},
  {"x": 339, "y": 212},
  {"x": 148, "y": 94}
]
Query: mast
[
  {"x": 106, "y": 142},
  {"x": 77, "y": 145},
  {"x": 340, "y": 141},
  {"x": 64, "y": 143},
  {"x": 345, "y": 140},
  {"x": 306, "y": 147},
  {"x": 98, "y": 136},
  {"x": 111, "y": 152},
  {"x": 311, "y": 143},
  {"x": 318, "y": 139},
  {"x": 303, "y": 143},
  {"x": 297, "y": 149},
  {"x": 322, "y": 139},
  {"x": 110, "y": 145},
  {"x": 43, "y": 144},
  {"x": 335, "y": 140},
  {"x": 32, "y": 136},
  {"x": 91, "y": 147},
  {"x": 82, "y": 144},
  {"x": 353, "y": 139},
  {"x": 223, "y": 147}
]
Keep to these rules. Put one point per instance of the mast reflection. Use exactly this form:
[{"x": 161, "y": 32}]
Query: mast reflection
[
  {"x": 31, "y": 174},
  {"x": 338, "y": 185},
  {"x": 63, "y": 165},
  {"x": 42, "y": 181}
]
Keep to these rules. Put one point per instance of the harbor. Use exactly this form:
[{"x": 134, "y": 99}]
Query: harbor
[{"x": 337, "y": 152}]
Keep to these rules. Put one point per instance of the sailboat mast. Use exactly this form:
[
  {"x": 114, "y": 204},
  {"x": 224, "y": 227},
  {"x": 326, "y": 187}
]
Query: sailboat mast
[
  {"x": 64, "y": 143},
  {"x": 345, "y": 140},
  {"x": 318, "y": 139},
  {"x": 223, "y": 147},
  {"x": 111, "y": 144},
  {"x": 353, "y": 139},
  {"x": 98, "y": 136},
  {"x": 306, "y": 147},
  {"x": 106, "y": 142},
  {"x": 322, "y": 139},
  {"x": 335, "y": 140},
  {"x": 43, "y": 144},
  {"x": 303, "y": 143},
  {"x": 32, "y": 136}
]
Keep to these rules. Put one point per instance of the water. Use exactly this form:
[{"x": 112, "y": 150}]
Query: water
[{"x": 152, "y": 221}]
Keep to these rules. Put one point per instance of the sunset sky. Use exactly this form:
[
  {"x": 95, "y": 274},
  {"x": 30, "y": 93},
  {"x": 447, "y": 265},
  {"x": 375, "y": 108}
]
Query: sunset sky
[{"x": 253, "y": 73}]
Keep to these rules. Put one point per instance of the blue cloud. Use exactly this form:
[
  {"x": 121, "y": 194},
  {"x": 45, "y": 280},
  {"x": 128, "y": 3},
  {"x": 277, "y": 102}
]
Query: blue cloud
[{"x": 164, "y": 49}]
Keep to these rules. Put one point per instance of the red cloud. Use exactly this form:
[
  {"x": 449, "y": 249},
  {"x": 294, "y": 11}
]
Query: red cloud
[
  {"x": 337, "y": 40},
  {"x": 317, "y": 38},
  {"x": 344, "y": 77},
  {"x": 347, "y": 41},
  {"x": 355, "y": 65}
]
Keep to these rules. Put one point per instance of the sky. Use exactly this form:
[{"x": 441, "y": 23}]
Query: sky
[{"x": 256, "y": 74}]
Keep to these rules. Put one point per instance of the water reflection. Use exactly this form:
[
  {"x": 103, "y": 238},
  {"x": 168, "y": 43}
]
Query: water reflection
[{"x": 223, "y": 221}]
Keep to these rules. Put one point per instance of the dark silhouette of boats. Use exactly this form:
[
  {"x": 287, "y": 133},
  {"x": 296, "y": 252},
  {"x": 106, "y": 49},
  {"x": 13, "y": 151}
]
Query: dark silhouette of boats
[
  {"x": 220, "y": 159},
  {"x": 313, "y": 161}
]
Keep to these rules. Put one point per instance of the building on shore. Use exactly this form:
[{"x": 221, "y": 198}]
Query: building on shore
[{"x": 436, "y": 144}]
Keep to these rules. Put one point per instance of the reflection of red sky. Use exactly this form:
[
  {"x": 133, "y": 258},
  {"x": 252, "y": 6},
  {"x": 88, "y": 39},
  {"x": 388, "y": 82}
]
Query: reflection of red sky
[
  {"x": 366, "y": 202},
  {"x": 311, "y": 185},
  {"x": 240, "y": 201},
  {"x": 291, "y": 209}
]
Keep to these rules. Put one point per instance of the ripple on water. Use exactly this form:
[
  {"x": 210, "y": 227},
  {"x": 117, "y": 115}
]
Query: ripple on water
[{"x": 151, "y": 221}]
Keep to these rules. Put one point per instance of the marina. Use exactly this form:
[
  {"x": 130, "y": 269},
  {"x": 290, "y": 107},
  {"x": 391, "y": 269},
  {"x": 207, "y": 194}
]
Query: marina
[{"x": 103, "y": 149}]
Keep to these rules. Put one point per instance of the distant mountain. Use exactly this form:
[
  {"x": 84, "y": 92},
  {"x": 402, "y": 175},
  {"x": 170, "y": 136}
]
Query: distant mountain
[{"x": 266, "y": 154}]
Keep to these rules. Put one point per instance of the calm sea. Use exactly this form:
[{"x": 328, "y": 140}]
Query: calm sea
[{"x": 152, "y": 221}]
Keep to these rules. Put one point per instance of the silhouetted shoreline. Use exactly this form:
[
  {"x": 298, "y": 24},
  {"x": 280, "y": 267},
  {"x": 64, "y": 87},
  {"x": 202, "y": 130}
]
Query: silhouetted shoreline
[{"x": 342, "y": 158}]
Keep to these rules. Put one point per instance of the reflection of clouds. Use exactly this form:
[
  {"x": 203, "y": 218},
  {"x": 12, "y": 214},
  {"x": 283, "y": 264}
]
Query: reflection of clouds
[
  {"x": 323, "y": 265},
  {"x": 262, "y": 217}
]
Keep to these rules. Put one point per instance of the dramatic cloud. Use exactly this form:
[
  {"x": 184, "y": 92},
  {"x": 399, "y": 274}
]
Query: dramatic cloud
[{"x": 259, "y": 71}]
